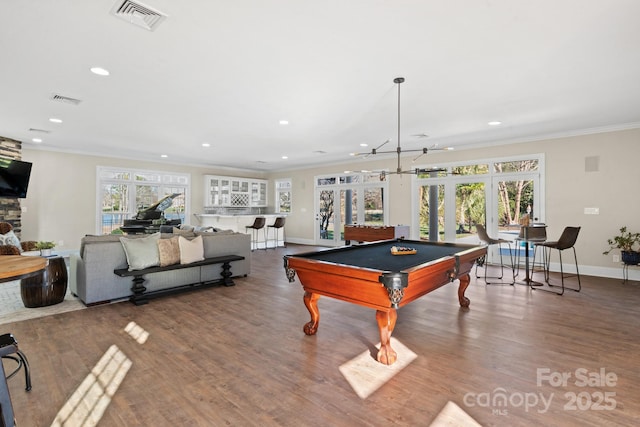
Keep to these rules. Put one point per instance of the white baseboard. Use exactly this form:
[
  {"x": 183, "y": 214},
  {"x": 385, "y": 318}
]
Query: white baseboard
[{"x": 590, "y": 270}]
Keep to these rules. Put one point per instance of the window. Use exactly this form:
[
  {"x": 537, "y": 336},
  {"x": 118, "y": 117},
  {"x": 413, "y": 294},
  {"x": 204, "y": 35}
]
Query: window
[
  {"x": 123, "y": 192},
  {"x": 497, "y": 193},
  {"x": 283, "y": 196}
]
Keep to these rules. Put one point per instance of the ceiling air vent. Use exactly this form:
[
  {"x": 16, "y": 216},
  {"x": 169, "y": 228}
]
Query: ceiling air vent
[
  {"x": 39, "y": 130},
  {"x": 65, "y": 99},
  {"x": 138, "y": 14}
]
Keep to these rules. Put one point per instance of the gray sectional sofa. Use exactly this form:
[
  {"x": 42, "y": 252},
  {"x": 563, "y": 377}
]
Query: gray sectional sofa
[{"x": 93, "y": 281}]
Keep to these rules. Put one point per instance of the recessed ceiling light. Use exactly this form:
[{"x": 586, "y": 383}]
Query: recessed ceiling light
[
  {"x": 164, "y": 156},
  {"x": 37, "y": 139},
  {"x": 284, "y": 122},
  {"x": 364, "y": 145},
  {"x": 54, "y": 120},
  {"x": 284, "y": 157},
  {"x": 206, "y": 144},
  {"x": 494, "y": 123},
  {"x": 99, "y": 71}
]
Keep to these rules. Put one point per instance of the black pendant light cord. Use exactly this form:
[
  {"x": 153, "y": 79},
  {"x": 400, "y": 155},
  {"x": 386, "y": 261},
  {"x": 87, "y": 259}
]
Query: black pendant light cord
[{"x": 398, "y": 80}]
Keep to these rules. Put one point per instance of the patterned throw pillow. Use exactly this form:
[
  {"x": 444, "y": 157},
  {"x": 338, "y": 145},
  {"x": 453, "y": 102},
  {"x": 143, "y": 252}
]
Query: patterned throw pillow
[
  {"x": 10, "y": 238},
  {"x": 141, "y": 253},
  {"x": 191, "y": 250},
  {"x": 169, "y": 251}
]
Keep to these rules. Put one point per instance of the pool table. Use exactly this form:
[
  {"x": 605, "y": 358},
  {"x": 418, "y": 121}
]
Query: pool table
[{"x": 370, "y": 275}]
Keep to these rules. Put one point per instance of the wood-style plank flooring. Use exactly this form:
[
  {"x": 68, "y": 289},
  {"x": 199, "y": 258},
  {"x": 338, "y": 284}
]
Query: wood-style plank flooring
[{"x": 237, "y": 356}]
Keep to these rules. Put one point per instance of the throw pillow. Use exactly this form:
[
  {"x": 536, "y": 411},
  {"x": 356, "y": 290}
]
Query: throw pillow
[
  {"x": 10, "y": 238},
  {"x": 191, "y": 250},
  {"x": 141, "y": 253},
  {"x": 169, "y": 251}
]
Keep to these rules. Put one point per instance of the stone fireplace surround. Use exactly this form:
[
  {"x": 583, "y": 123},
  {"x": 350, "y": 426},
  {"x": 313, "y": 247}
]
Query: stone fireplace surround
[{"x": 10, "y": 210}]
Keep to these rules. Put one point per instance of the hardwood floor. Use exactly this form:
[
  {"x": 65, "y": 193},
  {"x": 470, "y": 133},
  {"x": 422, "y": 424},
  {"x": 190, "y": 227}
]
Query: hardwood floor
[{"x": 238, "y": 356}]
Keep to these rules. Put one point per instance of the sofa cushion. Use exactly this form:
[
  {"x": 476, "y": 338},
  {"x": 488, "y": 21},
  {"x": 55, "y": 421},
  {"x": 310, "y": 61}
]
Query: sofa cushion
[
  {"x": 141, "y": 253},
  {"x": 191, "y": 250},
  {"x": 169, "y": 251}
]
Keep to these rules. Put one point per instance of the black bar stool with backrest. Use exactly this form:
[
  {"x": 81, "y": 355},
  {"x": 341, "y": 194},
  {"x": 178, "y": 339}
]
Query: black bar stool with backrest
[
  {"x": 567, "y": 240},
  {"x": 277, "y": 225},
  {"x": 258, "y": 224}
]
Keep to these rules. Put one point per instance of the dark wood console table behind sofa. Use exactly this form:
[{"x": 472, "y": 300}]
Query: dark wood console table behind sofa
[{"x": 140, "y": 296}]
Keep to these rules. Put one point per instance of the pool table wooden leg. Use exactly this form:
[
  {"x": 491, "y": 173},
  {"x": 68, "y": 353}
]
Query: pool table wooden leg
[
  {"x": 464, "y": 283},
  {"x": 311, "y": 302},
  {"x": 386, "y": 323}
]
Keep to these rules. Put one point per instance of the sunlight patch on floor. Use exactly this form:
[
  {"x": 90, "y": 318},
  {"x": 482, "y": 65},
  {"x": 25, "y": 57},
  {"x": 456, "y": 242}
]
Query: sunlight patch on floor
[
  {"x": 366, "y": 375},
  {"x": 453, "y": 416},
  {"x": 136, "y": 332},
  {"x": 88, "y": 403}
]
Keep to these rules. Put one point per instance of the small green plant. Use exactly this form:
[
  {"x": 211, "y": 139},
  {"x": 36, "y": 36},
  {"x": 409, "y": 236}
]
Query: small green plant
[
  {"x": 45, "y": 245},
  {"x": 625, "y": 241}
]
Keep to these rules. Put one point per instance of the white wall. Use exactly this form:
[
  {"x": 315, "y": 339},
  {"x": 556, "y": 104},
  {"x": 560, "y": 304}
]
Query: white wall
[{"x": 61, "y": 200}]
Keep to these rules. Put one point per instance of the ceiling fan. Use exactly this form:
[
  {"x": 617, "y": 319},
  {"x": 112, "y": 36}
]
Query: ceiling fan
[{"x": 399, "y": 151}]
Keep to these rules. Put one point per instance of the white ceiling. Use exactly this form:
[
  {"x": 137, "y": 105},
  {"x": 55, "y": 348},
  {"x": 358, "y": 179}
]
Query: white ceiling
[{"x": 226, "y": 73}]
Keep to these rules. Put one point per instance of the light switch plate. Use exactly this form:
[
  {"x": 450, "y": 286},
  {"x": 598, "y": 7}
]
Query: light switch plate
[{"x": 592, "y": 211}]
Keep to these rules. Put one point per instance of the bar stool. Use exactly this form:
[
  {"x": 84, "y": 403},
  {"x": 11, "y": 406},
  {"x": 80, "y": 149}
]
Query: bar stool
[
  {"x": 489, "y": 241},
  {"x": 258, "y": 223},
  {"x": 9, "y": 347},
  {"x": 567, "y": 240},
  {"x": 277, "y": 225}
]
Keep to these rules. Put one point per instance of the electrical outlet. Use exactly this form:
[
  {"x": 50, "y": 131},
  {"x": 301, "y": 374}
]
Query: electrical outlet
[
  {"x": 60, "y": 242},
  {"x": 616, "y": 258}
]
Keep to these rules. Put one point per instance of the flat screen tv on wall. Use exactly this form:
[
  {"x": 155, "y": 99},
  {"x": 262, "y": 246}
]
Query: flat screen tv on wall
[{"x": 14, "y": 178}]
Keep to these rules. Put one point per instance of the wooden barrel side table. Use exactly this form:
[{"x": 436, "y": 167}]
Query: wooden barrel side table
[{"x": 47, "y": 288}]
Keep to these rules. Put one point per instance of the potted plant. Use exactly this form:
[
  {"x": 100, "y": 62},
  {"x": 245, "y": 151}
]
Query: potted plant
[
  {"x": 626, "y": 241},
  {"x": 45, "y": 248}
]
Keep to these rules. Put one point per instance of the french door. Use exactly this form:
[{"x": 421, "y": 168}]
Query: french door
[{"x": 347, "y": 199}]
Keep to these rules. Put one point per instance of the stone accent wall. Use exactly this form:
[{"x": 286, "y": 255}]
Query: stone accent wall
[{"x": 10, "y": 207}]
